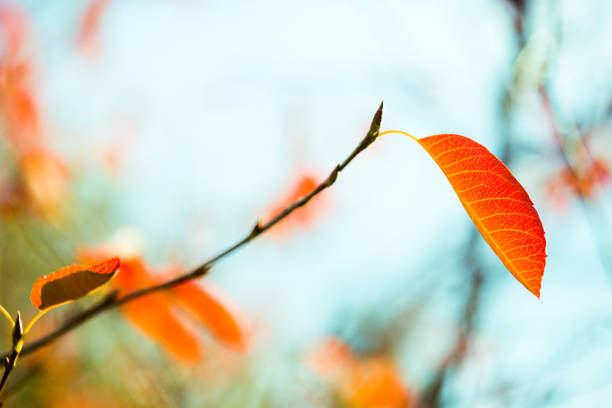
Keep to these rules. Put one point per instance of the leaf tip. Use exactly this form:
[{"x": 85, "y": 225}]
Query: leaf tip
[{"x": 536, "y": 291}]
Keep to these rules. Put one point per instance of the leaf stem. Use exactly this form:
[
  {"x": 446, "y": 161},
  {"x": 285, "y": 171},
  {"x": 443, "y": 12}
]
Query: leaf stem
[
  {"x": 34, "y": 319},
  {"x": 7, "y": 315},
  {"x": 113, "y": 301},
  {"x": 399, "y": 132}
]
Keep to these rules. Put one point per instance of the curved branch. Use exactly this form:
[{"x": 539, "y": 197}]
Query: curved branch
[{"x": 113, "y": 300}]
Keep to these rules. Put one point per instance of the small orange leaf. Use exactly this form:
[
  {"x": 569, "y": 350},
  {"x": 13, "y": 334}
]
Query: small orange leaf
[
  {"x": 70, "y": 283},
  {"x": 497, "y": 204},
  {"x": 215, "y": 312}
]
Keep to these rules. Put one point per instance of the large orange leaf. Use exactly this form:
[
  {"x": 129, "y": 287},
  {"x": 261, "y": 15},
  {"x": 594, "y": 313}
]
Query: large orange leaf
[
  {"x": 70, "y": 283},
  {"x": 497, "y": 204},
  {"x": 209, "y": 307}
]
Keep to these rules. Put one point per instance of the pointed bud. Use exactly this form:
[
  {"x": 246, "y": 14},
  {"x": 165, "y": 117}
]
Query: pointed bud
[{"x": 17, "y": 329}]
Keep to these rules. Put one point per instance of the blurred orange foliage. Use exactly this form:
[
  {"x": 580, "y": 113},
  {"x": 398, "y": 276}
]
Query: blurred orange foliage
[
  {"x": 43, "y": 175},
  {"x": 302, "y": 217},
  {"x": 360, "y": 381},
  {"x": 156, "y": 315},
  {"x": 210, "y": 308},
  {"x": 15, "y": 27},
  {"x": 583, "y": 180},
  {"x": 89, "y": 27}
]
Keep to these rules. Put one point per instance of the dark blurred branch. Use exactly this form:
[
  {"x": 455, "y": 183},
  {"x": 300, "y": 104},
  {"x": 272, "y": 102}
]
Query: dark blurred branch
[
  {"x": 430, "y": 396},
  {"x": 596, "y": 220},
  {"x": 113, "y": 301}
]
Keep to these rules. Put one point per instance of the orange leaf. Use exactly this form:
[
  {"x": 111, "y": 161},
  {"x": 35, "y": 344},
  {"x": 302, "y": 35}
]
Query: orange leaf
[
  {"x": 70, "y": 283},
  {"x": 215, "y": 312},
  {"x": 497, "y": 204},
  {"x": 153, "y": 315}
]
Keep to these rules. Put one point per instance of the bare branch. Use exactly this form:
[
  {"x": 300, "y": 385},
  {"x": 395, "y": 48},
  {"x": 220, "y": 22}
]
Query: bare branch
[{"x": 113, "y": 301}]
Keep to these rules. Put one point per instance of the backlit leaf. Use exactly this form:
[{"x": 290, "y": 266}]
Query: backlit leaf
[
  {"x": 70, "y": 283},
  {"x": 497, "y": 204}
]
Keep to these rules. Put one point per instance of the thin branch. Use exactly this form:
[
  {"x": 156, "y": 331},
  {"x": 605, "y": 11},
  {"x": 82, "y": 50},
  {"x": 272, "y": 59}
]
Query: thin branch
[{"x": 113, "y": 301}]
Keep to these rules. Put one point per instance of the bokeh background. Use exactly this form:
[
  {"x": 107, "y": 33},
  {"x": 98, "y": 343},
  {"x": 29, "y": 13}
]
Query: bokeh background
[{"x": 164, "y": 129}]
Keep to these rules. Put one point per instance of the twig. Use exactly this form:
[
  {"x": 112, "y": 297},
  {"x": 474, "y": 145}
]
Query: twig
[{"x": 113, "y": 301}]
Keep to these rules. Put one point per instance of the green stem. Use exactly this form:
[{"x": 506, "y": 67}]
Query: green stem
[{"x": 7, "y": 315}]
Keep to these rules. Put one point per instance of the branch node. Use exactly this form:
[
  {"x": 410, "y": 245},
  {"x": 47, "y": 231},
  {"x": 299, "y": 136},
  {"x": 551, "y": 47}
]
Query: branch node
[
  {"x": 201, "y": 271},
  {"x": 257, "y": 229},
  {"x": 18, "y": 329},
  {"x": 372, "y": 134},
  {"x": 333, "y": 176}
]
